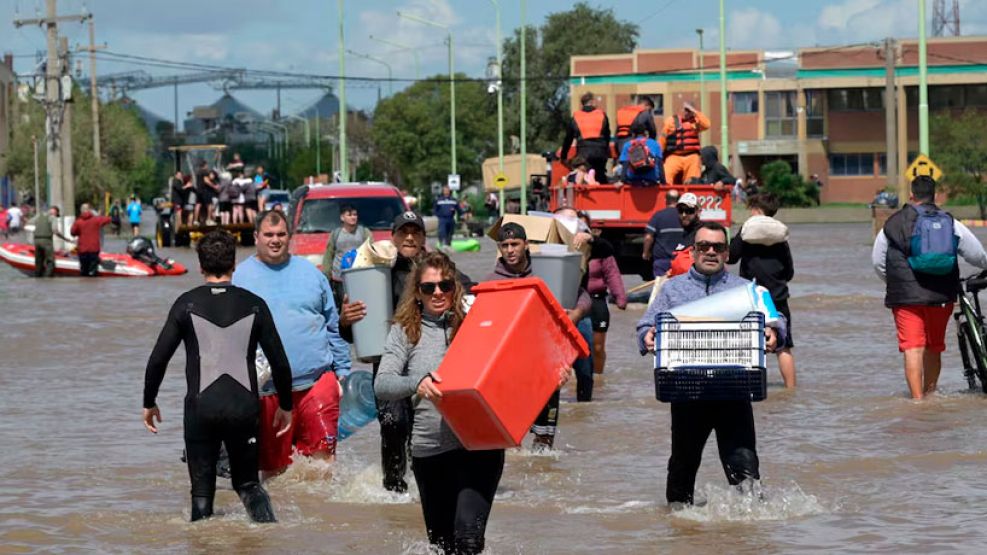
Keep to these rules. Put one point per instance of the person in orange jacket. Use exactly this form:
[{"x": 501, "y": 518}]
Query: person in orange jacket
[
  {"x": 590, "y": 128},
  {"x": 680, "y": 144},
  {"x": 640, "y": 111}
]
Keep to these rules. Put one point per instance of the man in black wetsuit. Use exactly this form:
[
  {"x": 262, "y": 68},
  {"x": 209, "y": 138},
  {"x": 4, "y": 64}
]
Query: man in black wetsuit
[{"x": 221, "y": 326}]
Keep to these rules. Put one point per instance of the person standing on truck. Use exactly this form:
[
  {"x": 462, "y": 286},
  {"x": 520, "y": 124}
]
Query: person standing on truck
[
  {"x": 662, "y": 235},
  {"x": 349, "y": 235},
  {"x": 641, "y": 158},
  {"x": 916, "y": 255},
  {"x": 641, "y": 112},
  {"x": 590, "y": 128},
  {"x": 693, "y": 421},
  {"x": 680, "y": 144},
  {"x": 446, "y": 209}
]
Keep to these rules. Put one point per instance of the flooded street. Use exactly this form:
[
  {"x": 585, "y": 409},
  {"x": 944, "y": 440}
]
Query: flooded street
[{"x": 848, "y": 462}]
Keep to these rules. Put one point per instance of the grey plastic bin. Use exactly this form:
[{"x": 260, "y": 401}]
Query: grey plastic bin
[
  {"x": 562, "y": 272},
  {"x": 372, "y": 285}
]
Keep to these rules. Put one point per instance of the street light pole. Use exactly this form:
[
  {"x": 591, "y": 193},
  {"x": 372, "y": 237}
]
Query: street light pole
[
  {"x": 390, "y": 76},
  {"x": 524, "y": 109},
  {"x": 343, "y": 163},
  {"x": 724, "y": 119},
  {"x": 318, "y": 144},
  {"x": 452, "y": 82},
  {"x": 702, "y": 73},
  {"x": 500, "y": 101},
  {"x": 414, "y": 51},
  {"x": 923, "y": 87}
]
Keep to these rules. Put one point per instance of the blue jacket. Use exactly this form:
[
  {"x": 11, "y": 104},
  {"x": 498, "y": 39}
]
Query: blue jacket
[
  {"x": 688, "y": 287},
  {"x": 651, "y": 175},
  {"x": 446, "y": 208},
  {"x": 305, "y": 316}
]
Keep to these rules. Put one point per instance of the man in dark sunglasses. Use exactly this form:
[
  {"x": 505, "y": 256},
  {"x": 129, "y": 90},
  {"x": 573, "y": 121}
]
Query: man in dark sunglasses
[
  {"x": 692, "y": 422},
  {"x": 515, "y": 263}
]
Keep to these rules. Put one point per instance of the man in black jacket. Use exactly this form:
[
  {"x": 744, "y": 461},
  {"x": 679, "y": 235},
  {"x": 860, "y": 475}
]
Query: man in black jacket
[{"x": 921, "y": 302}]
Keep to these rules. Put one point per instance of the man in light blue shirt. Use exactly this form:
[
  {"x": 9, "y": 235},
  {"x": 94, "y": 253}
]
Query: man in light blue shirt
[{"x": 305, "y": 316}]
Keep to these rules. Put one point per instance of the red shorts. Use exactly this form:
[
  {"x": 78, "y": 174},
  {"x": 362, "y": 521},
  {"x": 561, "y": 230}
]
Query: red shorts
[
  {"x": 313, "y": 424},
  {"x": 922, "y": 326}
]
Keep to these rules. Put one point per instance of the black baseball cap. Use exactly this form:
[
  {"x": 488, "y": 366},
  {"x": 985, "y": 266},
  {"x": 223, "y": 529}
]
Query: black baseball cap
[
  {"x": 511, "y": 230},
  {"x": 406, "y": 218}
]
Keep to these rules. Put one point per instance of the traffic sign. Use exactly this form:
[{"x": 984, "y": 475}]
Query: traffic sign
[
  {"x": 923, "y": 165},
  {"x": 500, "y": 180},
  {"x": 453, "y": 181}
]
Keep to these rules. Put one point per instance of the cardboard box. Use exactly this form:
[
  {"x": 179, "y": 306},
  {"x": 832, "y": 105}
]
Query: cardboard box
[{"x": 540, "y": 229}]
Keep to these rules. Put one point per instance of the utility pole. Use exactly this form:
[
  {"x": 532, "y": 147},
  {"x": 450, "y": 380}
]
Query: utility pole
[
  {"x": 724, "y": 117},
  {"x": 891, "y": 117},
  {"x": 702, "y": 73},
  {"x": 524, "y": 108},
  {"x": 57, "y": 151},
  {"x": 923, "y": 88},
  {"x": 65, "y": 134},
  {"x": 93, "y": 93},
  {"x": 37, "y": 181},
  {"x": 343, "y": 167}
]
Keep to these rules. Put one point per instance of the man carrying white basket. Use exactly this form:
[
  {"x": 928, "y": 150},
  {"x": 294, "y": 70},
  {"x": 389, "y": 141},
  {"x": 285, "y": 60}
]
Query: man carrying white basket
[{"x": 693, "y": 421}]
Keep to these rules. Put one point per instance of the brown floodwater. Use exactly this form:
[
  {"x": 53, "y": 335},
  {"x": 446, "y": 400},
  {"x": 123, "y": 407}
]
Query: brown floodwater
[{"x": 848, "y": 462}]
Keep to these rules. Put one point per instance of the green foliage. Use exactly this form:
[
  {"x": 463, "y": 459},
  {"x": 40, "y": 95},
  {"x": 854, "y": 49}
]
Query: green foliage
[
  {"x": 791, "y": 190},
  {"x": 126, "y": 164},
  {"x": 957, "y": 146},
  {"x": 582, "y": 30},
  {"x": 411, "y": 132}
]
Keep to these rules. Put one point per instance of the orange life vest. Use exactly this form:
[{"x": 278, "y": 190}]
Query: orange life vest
[
  {"x": 625, "y": 117},
  {"x": 684, "y": 140},
  {"x": 590, "y": 123}
]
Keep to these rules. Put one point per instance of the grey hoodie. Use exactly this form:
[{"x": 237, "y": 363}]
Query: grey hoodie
[{"x": 402, "y": 367}]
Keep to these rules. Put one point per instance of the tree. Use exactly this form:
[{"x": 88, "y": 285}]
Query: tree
[
  {"x": 411, "y": 132},
  {"x": 583, "y": 30},
  {"x": 790, "y": 188},
  {"x": 126, "y": 166},
  {"x": 958, "y": 147}
]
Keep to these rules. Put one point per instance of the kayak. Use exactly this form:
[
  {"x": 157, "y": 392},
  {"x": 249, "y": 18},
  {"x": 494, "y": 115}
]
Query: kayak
[
  {"x": 465, "y": 245},
  {"x": 21, "y": 256}
]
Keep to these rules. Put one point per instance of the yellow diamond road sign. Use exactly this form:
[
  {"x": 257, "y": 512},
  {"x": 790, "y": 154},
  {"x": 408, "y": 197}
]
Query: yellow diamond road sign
[
  {"x": 500, "y": 180},
  {"x": 923, "y": 165}
]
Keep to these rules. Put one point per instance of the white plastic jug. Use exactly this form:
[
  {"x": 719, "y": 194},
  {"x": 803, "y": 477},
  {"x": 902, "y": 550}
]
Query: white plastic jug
[{"x": 731, "y": 305}]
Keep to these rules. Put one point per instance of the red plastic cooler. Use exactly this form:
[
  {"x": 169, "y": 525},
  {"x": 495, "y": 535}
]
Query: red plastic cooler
[{"x": 504, "y": 363}]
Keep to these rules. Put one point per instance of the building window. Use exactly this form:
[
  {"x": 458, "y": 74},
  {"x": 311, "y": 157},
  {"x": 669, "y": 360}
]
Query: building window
[
  {"x": 814, "y": 126},
  {"x": 857, "y": 164},
  {"x": 745, "y": 102},
  {"x": 779, "y": 114},
  {"x": 855, "y": 100}
]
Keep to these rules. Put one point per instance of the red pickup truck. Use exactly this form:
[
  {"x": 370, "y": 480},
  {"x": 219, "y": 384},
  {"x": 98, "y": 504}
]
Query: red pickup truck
[{"x": 315, "y": 212}]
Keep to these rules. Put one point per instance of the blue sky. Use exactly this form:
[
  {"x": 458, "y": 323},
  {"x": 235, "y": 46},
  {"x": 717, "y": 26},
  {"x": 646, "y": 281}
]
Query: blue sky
[{"x": 300, "y": 35}]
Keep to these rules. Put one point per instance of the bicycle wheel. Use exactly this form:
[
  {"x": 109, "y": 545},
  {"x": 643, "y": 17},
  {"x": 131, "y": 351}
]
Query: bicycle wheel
[
  {"x": 962, "y": 330},
  {"x": 974, "y": 331}
]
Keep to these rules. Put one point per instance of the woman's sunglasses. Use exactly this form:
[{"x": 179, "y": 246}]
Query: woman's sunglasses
[{"x": 428, "y": 287}]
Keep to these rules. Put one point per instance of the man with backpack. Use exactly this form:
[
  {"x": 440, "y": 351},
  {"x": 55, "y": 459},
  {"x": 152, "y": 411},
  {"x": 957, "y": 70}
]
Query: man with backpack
[
  {"x": 349, "y": 235},
  {"x": 916, "y": 255},
  {"x": 641, "y": 158},
  {"x": 641, "y": 111}
]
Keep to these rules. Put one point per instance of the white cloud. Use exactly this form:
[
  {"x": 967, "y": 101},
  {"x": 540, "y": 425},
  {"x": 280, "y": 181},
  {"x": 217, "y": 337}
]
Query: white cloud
[
  {"x": 753, "y": 28},
  {"x": 200, "y": 47},
  {"x": 836, "y": 16}
]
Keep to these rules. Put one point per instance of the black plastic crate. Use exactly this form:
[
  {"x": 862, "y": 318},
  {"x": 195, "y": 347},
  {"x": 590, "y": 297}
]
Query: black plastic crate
[{"x": 711, "y": 383}]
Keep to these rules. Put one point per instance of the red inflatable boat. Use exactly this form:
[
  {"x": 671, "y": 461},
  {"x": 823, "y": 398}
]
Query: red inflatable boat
[{"x": 21, "y": 256}]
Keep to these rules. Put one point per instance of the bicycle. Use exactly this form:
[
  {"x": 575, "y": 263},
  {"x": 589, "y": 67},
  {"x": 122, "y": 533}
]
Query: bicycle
[{"x": 970, "y": 331}]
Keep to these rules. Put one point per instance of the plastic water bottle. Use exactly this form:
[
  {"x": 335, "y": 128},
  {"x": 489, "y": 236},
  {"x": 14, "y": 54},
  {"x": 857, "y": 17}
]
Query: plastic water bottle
[
  {"x": 358, "y": 405},
  {"x": 349, "y": 257}
]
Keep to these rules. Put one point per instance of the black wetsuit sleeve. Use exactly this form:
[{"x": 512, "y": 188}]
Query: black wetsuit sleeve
[
  {"x": 168, "y": 340},
  {"x": 270, "y": 342}
]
